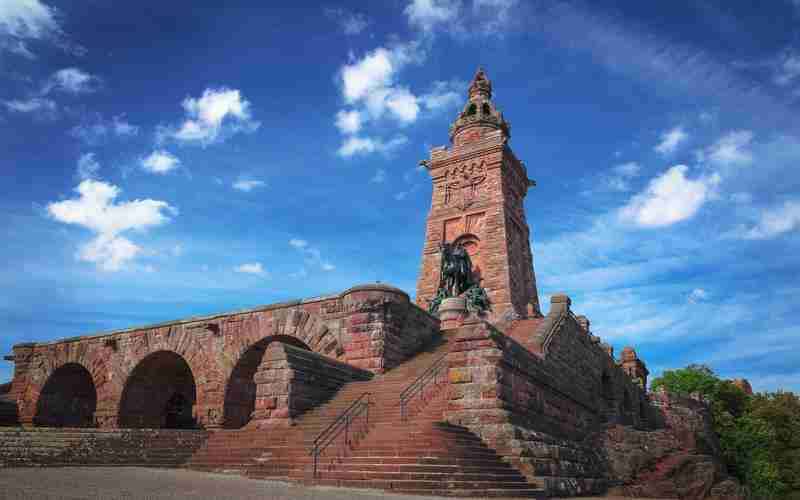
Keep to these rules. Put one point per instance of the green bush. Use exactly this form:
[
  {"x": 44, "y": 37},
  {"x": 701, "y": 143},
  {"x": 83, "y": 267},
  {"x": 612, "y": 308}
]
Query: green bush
[{"x": 759, "y": 434}]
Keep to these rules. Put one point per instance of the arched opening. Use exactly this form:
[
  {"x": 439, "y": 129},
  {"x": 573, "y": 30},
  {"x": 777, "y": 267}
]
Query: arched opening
[
  {"x": 240, "y": 393},
  {"x": 472, "y": 109},
  {"x": 68, "y": 398},
  {"x": 472, "y": 245},
  {"x": 486, "y": 109},
  {"x": 159, "y": 394}
]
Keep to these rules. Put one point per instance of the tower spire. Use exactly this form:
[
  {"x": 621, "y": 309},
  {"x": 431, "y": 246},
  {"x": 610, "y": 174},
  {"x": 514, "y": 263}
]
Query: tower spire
[
  {"x": 481, "y": 86},
  {"x": 479, "y": 115},
  {"x": 477, "y": 203}
]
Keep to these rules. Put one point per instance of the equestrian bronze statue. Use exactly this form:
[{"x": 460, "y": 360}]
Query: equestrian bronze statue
[{"x": 457, "y": 279}]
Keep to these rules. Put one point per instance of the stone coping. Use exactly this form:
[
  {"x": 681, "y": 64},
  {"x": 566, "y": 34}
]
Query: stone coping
[{"x": 211, "y": 317}]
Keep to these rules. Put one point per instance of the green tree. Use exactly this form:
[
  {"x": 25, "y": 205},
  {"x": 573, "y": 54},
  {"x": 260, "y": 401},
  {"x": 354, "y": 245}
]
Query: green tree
[{"x": 759, "y": 434}]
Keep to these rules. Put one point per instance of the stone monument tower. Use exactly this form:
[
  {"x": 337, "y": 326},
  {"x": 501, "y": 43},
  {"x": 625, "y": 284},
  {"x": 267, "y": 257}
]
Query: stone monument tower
[{"x": 478, "y": 191}]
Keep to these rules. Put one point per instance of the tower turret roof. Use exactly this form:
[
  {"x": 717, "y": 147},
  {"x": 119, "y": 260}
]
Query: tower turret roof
[{"x": 479, "y": 112}]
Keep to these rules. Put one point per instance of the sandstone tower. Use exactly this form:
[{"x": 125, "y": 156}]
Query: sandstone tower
[{"x": 479, "y": 187}]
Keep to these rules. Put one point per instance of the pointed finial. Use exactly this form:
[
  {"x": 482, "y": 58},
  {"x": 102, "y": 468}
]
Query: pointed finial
[{"x": 480, "y": 86}]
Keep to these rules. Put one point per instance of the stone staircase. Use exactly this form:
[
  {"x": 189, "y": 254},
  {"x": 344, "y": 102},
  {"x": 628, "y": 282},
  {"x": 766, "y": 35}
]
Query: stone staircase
[
  {"x": 426, "y": 456},
  {"x": 277, "y": 452},
  {"x": 53, "y": 447},
  {"x": 422, "y": 455}
]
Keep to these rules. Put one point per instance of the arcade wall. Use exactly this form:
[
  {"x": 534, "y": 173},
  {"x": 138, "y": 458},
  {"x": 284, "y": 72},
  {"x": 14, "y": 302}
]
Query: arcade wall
[{"x": 369, "y": 327}]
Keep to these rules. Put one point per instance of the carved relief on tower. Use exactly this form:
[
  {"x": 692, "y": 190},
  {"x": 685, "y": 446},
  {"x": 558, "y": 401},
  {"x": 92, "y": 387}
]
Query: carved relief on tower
[
  {"x": 458, "y": 226},
  {"x": 462, "y": 184}
]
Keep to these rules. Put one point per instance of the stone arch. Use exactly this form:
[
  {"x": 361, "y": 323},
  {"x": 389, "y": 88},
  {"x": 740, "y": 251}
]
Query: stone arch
[
  {"x": 67, "y": 399},
  {"x": 48, "y": 359},
  {"x": 297, "y": 323},
  {"x": 159, "y": 393},
  {"x": 240, "y": 390},
  {"x": 182, "y": 340}
]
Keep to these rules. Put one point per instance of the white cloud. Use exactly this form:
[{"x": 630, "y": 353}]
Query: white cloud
[
  {"x": 668, "y": 199},
  {"x": 250, "y": 268},
  {"x": 160, "y": 162},
  {"x": 495, "y": 14},
  {"x": 628, "y": 170},
  {"x": 351, "y": 23},
  {"x": 379, "y": 177},
  {"x": 444, "y": 95},
  {"x": 484, "y": 17},
  {"x": 788, "y": 69},
  {"x": 36, "y": 105},
  {"x": 71, "y": 81},
  {"x": 348, "y": 122},
  {"x": 95, "y": 209},
  {"x": 122, "y": 128},
  {"x": 97, "y": 128},
  {"x": 775, "y": 222},
  {"x": 671, "y": 140},
  {"x": 401, "y": 103},
  {"x": 217, "y": 114},
  {"x": 368, "y": 84},
  {"x": 370, "y": 89},
  {"x": 22, "y": 20},
  {"x": 298, "y": 243},
  {"x": 247, "y": 185},
  {"x": 177, "y": 250},
  {"x": 87, "y": 166},
  {"x": 110, "y": 253},
  {"x": 429, "y": 14},
  {"x": 731, "y": 149},
  {"x": 312, "y": 256},
  {"x": 364, "y": 145},
  {"x": 698, "y": 295},
  {"x": 623, "y": 173}
]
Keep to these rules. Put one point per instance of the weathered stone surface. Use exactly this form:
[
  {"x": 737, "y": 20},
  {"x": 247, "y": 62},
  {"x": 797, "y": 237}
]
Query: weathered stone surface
[{"x": 372, "y": 327}]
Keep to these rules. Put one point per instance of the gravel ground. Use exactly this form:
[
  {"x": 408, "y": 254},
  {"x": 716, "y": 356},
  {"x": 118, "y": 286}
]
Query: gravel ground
[{"x": 161, "y": 484}]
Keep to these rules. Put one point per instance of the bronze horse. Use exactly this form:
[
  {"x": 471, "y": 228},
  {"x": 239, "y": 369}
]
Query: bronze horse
[{"x": 456, "y": 269}]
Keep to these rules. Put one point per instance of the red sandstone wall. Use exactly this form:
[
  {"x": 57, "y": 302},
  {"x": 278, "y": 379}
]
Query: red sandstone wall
[
  {"x": 98, "y": 447},
  {"x": 492, "y": 212},
  {"x": 372, "y": 327},
  {"x": 537, "y": 409}
]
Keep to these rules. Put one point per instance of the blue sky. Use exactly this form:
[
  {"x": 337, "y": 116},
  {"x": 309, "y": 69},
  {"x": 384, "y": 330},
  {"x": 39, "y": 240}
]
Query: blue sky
[{"x": 168, "y": 159}]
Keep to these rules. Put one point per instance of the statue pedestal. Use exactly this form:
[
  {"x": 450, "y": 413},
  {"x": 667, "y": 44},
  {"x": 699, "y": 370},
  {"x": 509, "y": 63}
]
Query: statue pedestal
[{"x": 452, "y": 312}]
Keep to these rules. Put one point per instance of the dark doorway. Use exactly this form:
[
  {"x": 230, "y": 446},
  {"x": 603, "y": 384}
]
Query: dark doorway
[
  {"x": 159, "y": 394},
  {"x": 68, "y": 399}
]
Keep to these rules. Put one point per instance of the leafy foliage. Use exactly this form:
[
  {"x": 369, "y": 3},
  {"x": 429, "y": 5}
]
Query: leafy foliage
[{"x": 759, "y": 434}]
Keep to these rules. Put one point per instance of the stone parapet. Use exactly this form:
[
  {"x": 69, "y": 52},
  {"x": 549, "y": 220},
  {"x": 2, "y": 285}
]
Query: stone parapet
[{"x": 371, "y": 327}]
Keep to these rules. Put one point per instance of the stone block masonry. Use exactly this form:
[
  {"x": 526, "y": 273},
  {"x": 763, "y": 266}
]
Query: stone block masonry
[{"x": 200, "y": 372}]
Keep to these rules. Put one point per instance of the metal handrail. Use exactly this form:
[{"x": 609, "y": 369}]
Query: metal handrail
[
  {"x": 342, "y": 423},
  {"x": 418, "y": 385}
]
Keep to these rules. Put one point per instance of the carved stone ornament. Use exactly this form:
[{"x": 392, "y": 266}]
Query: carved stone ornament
[{"x": 461, "y": 184}]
